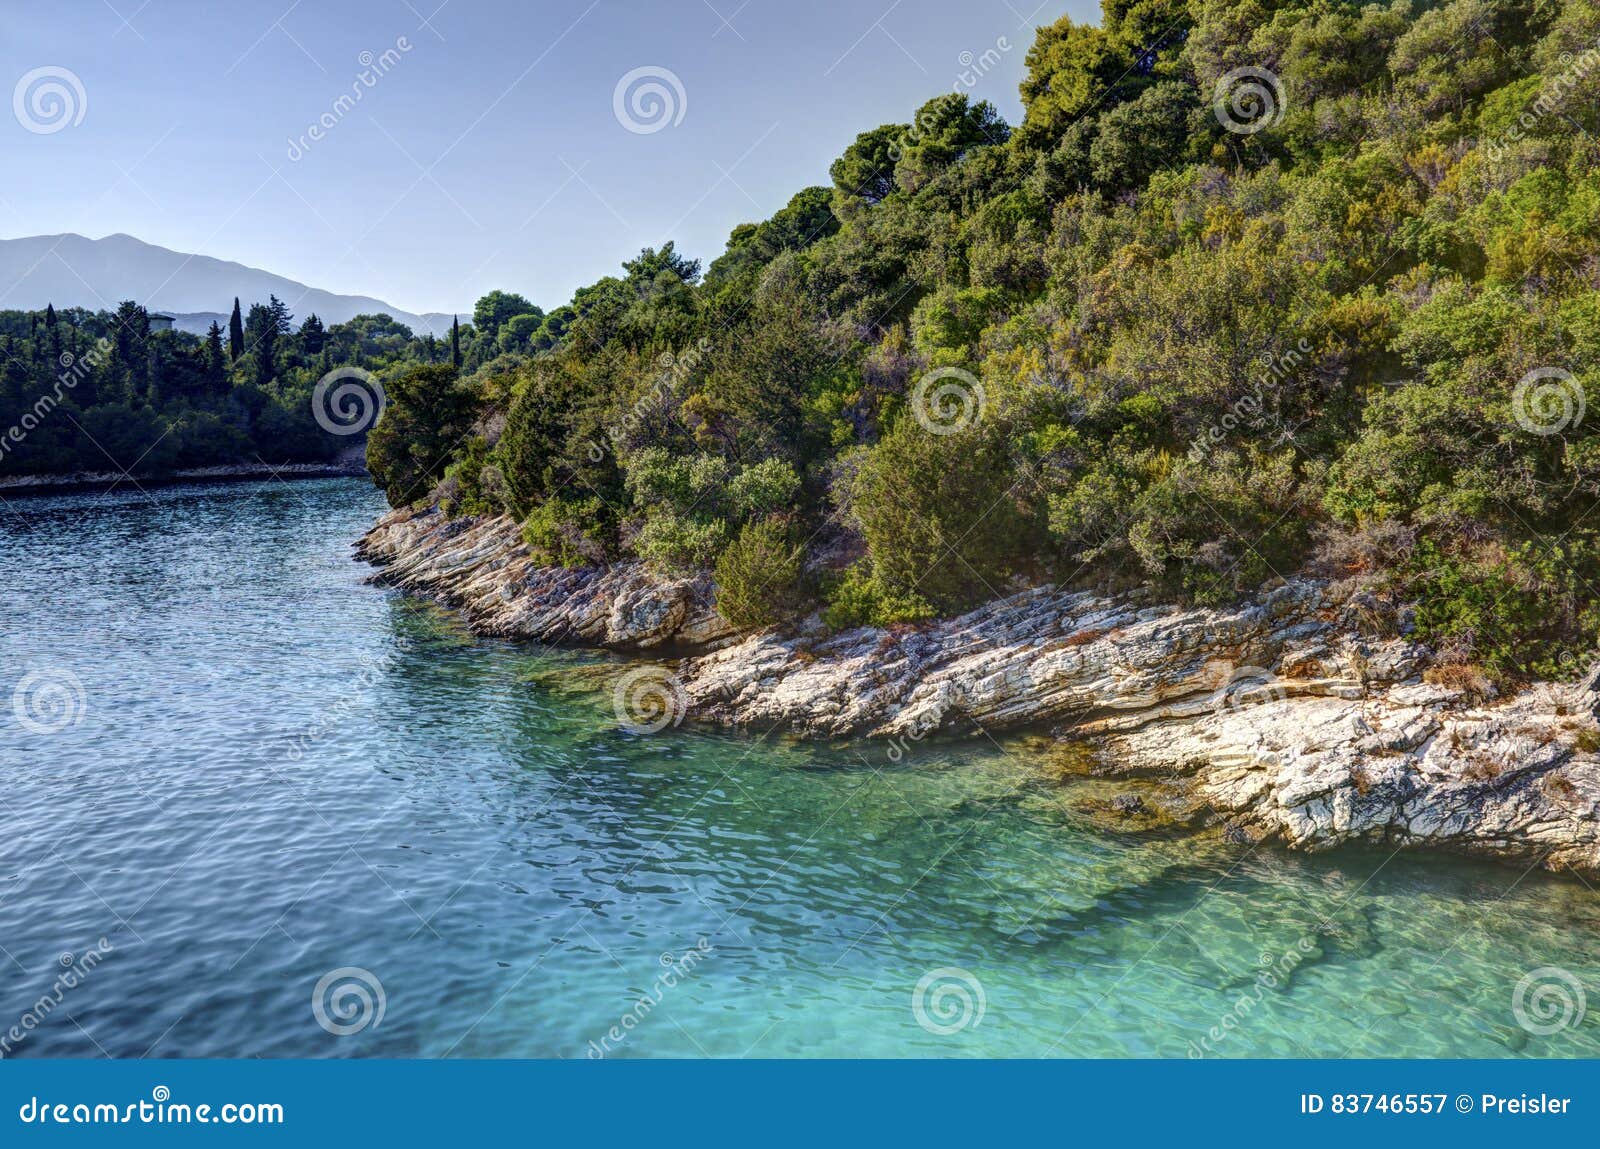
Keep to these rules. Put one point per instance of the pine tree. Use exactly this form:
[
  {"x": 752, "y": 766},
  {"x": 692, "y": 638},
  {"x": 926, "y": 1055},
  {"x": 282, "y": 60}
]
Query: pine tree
[
  {"x": 455, "y": 342},
  {"x": 261, "y": 335},
  {"x": 282, "y": 320},
  {"x": 235, "y": 334},
  {"x": 216, "y": 368},
  {"x": 312, "y": 335}
]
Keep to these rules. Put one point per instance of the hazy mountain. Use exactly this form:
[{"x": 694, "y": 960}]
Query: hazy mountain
[{"x": 74, "y": 271}]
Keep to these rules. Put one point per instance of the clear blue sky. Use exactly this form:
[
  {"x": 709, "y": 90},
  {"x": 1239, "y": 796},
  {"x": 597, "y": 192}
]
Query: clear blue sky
[{"x": 489, "y": 155}]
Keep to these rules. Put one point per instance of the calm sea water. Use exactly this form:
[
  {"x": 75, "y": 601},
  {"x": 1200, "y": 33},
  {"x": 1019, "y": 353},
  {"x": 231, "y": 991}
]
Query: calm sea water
[{"x": 294, "y": 804}]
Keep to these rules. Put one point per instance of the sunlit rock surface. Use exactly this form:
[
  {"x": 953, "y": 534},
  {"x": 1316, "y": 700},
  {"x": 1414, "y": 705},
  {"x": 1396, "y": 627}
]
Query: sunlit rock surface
[{"x": 1279, "y": 716}]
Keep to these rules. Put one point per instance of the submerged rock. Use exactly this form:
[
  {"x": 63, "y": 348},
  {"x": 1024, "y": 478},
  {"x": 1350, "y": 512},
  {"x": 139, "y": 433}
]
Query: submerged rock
[{"x": 1278, "y": 716}]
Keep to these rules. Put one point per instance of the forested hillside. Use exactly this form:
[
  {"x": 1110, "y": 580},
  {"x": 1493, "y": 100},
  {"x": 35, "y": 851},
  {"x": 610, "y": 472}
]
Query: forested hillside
[
  {"x": 1254, "y": 288},
  {"x": 101, "y": 391}
]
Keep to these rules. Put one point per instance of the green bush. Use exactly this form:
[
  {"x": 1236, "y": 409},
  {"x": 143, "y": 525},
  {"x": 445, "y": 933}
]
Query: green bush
[
  {"x": 759, "y": 575},
  {"x": 473, "y": 484},
  {"x": 857, "y": 598},
  {"x": 1520, "y": 613},
  {"x": 940, "y": 513},
  {"x": 568, "y": 532}
]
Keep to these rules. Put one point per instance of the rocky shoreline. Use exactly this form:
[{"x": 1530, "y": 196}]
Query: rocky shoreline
[{"x": 1286, "y": 719}]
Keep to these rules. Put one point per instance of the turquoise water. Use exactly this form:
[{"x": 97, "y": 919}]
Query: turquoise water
[{"x": 268, "y": 771}]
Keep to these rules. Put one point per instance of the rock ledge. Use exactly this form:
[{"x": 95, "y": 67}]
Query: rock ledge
[{"x": 1279, "y": 716}]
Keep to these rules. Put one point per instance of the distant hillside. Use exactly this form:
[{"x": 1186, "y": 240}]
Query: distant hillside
[{"x": 74, "y": 271}]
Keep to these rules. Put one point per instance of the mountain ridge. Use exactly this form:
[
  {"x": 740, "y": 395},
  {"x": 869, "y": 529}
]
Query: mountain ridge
[{"x": 73, "y": 270}]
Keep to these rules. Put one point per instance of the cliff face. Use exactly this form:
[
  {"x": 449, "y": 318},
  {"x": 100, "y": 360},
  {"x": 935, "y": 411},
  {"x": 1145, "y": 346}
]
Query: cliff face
[{"x": 1279, "y": 718}]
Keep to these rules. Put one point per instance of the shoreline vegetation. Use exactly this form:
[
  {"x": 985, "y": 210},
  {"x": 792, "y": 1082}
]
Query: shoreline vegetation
[
  {"x": 1224, "y": 419},
  {"x": 86, "y": 393},
  {"x": 1247, "y": 296},
  {"x": 1280, "y": 719}
]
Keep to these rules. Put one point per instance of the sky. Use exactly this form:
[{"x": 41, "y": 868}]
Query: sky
[{"x": 494, "y": 144}]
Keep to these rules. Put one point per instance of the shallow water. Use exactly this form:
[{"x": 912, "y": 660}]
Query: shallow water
[{"x": 278, "y": 772}]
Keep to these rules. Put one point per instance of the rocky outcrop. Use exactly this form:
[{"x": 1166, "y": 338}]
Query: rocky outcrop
[
  {"x": 482, "y": 568},
  {"x": 1280, "y": 716},
  {"x": 1281, "y": 720}
]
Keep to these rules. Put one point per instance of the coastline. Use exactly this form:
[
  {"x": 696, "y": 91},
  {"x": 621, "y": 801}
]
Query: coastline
[
  {"x": 56, "y": 484},
  {"x": 1283, "y": 719}
]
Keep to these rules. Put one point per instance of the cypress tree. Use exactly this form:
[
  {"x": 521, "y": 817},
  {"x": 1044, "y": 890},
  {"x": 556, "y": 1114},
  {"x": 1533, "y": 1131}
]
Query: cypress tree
[
  {"x": 235, "y": 334},
  {"x": 455, "y": 342}
]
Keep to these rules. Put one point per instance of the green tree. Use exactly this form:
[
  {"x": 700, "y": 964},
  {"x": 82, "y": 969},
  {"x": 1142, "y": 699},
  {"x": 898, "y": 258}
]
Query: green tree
[
  {"x": 235, "y": 334},
  {"x": 497, "y": 307},
  {"x": 429, "y": 413}
]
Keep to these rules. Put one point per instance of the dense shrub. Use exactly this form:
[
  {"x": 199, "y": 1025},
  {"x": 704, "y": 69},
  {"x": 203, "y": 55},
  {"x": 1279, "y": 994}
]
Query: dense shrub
[
  {"x": 759, "y": 575},
  {"x": 1190, "y": 343}
]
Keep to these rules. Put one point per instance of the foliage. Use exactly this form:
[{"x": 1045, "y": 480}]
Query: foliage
[
  {"x": 102, "y": 391},
  {"x": 1183, "y": 348},
  {"x": 758, "y": 575}
]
